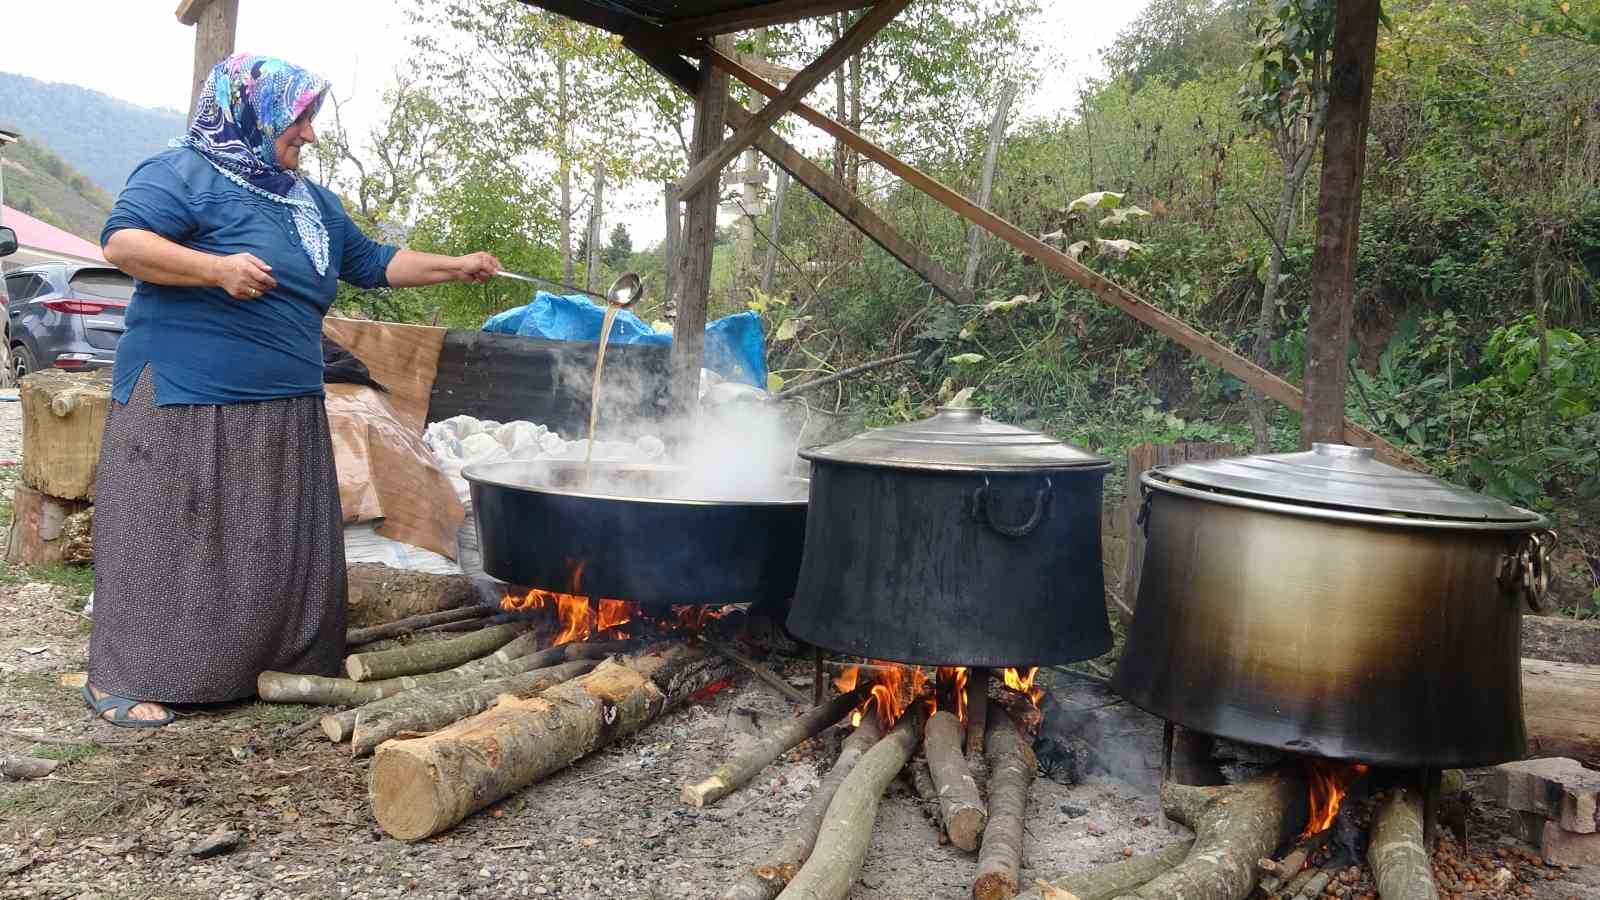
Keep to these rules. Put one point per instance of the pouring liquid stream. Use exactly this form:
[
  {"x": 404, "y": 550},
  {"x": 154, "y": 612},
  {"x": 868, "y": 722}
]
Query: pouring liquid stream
[{"x": 594, "y": 392}]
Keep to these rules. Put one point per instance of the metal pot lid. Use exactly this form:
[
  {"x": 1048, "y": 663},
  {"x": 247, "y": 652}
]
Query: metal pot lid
[
  {"x": 956, "y": 439},
  {"x": 1339, "y": 476}
]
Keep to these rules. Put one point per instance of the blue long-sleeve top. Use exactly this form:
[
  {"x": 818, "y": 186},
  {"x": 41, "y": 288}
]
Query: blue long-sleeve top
[{"x": 201, "y": 345}]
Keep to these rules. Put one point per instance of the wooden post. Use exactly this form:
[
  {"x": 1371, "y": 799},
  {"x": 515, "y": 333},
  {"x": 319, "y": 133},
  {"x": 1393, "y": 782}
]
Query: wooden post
[
  {"x": 699, "y": 234},
  {"x": 1344, "y": 159},
  {"x": 672, "y": 248},
  {"x": 216, "y": 22}
]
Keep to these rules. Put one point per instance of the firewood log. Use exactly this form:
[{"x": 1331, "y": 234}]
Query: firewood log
[
  {"x": 1561, "y": 703},
  {"x": 1399, "y": 861},
  {"x": 977, "y": 702},
  {"x": 1113, "y": 879},
  {"x": 1234, "y": 826},
  {"x": 435, "y": 706},
  {"x": 423, "y": 786},
  {"x": 835, "y": 862},
  {"x": 1011, "y": 771},
  {"x": 766, "y": 881},
  {"x": 358, "y": 636},
  {"x": 431, "y": 657},
  {"x": 962, "y": 807},
  {"x": 46, "y": 529},
  {"x": 921, "y": 780},
  {"x": 503, "y": 663},
  {"x": 736, "y": 772},
  {"x": 379, "y": 594}
]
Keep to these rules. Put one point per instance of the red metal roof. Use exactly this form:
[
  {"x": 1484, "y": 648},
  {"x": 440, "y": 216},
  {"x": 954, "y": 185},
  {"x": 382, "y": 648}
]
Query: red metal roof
[{"x": 34, "y": 234}]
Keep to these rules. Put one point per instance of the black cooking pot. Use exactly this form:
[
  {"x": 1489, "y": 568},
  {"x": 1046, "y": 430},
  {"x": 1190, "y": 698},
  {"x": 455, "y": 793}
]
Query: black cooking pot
[
  {"x": 630, "y": 533},
  {"x": 954, "y": 541}
]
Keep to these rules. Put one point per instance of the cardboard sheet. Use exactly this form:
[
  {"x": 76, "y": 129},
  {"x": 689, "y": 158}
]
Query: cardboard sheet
[
  {"x": 402, "y": 358},
  {"x": 387, "y": 473}
]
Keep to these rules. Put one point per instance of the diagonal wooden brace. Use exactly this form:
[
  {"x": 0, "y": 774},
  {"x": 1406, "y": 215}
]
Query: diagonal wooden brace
[
  {"x": 1100, "y": 286},
  {"x": 830, "y": 190},
  {"x": 704, "y": 172}
]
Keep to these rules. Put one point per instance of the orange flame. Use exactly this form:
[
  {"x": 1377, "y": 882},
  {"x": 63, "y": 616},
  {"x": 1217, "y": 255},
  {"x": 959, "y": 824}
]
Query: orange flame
[
  {"x": 954, "y": 680},
  {"x": 1021, "y": 681},
  {"x": 695, "y": 618},
  {"x": 892, "y": 688},
  {"x": 1330, "y": 780}
]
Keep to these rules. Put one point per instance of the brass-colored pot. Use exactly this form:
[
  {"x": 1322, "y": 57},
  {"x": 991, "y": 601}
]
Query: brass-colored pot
[{"x": 1387, "y": 639}]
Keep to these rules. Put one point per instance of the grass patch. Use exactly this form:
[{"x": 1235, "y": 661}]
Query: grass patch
[
  {"x": 278, "y": 713},
  {"x": 77, "y": 578},
  {"x": 6, "y": 511},
  {"x": 66, "y": 753}
]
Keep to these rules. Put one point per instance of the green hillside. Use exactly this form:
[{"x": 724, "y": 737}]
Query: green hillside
[
  {"x": 103, "y": 137},
  {"x": 43, "y": 185}
]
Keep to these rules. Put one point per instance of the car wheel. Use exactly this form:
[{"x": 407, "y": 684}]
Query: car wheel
[{"x": 22, "y": 361}]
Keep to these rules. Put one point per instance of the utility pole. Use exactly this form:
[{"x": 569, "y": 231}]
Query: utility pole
[{"x": 216, "y": 23}]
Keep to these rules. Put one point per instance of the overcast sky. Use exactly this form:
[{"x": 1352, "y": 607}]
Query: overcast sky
[{"x": 137, "y": 51}]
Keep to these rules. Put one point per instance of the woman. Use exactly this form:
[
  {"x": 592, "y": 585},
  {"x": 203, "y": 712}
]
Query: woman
[{"x": 218, "y": 532}]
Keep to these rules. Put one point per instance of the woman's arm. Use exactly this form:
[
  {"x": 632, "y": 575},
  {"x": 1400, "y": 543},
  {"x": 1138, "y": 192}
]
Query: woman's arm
[
  {"x": 413, "y": 268},
  {"x": 150, "y": 257}
]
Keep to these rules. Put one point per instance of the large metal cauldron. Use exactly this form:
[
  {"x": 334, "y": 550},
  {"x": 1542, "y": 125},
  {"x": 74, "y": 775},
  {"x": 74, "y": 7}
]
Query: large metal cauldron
[
  {"x": 954, "y": 541},
  {"x": 632, "y": 534},
  {"x": 1329, "y": 604}
]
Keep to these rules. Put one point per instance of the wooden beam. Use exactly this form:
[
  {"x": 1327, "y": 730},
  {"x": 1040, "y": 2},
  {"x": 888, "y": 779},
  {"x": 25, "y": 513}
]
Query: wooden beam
[
  {"x": 189, "y": 11},
  {"x": 703, "y": 174},
  {"x": 1333, "y": 263},
  {"x": 776, "y": 13},
  {"x": 607, "y": 17},
  {"x": 699, "y": 235},
  {"x": 769, "y": 70},
  {"x": 1100, "y": 286},
  {"x": 830, "y": 190},
  {"x": 843, "y": 201},
  {"x": 216, "y": 23}
]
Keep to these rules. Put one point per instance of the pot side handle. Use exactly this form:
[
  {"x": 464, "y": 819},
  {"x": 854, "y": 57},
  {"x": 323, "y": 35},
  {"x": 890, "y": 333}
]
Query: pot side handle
[{"x": 1041, "y": 502}]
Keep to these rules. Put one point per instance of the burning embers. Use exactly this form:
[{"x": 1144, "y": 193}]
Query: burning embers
[
  {"x": 894, "y": 687},
  {"x": 583, "y": 618}
]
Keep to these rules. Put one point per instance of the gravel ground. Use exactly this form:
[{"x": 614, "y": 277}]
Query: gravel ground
[{"x": 121, "y": 814}]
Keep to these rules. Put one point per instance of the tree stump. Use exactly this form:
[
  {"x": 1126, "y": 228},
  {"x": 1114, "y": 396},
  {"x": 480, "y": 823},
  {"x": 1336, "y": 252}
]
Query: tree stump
[
  {"x": 63, "y": 415},
  {"x": 47, "y": 529}
]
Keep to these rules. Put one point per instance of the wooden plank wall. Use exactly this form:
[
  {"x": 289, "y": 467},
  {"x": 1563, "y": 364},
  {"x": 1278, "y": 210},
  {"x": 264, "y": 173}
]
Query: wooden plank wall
[
  {"x": 1141, "y": 459},
  {"x": 505, "y": 377}
]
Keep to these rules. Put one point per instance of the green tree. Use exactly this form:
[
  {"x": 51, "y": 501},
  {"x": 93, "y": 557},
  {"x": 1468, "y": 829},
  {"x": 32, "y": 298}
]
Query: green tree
[
  {"x": 619, "y": 248},
  {"x": 1289, "y": 102}
]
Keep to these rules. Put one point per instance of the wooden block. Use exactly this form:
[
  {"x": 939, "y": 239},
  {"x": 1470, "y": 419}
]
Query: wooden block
[
  {"x": 63, "y": 415},
  {"x": 74, "y": 679},
  {"x": 1558, "y": 789},
  {"x": 48, "y": 529}
]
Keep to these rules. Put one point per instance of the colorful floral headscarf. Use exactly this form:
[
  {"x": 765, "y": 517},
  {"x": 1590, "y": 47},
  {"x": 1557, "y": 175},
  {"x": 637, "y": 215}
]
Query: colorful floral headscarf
[{"x": 247, "y": 102}]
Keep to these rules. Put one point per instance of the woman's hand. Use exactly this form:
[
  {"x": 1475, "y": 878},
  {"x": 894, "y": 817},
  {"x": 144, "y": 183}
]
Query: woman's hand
[
  {"x": 477, "y": 267},
  {"x": 242, "y": 275}
]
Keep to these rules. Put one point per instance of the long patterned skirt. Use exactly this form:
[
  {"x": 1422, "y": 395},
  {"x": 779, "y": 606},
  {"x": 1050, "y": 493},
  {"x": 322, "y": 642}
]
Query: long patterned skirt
[{"x": 219, "y": 548}]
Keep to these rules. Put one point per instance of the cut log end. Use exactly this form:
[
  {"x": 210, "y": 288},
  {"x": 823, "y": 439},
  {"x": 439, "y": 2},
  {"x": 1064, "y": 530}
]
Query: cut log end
[
  {"x": 421, "y": 813},
  {"x": 699, "y": 794}
]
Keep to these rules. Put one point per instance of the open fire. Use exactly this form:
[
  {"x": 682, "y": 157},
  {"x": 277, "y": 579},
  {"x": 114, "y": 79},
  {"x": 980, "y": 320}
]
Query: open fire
[
  {"x": 895, "y": 686},
  {"x": 1330, "y": 781},
  {"x": 584, "y": 618}
]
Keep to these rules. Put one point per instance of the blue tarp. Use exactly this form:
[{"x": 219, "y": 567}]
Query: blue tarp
[{"x": 735, "y": 347}]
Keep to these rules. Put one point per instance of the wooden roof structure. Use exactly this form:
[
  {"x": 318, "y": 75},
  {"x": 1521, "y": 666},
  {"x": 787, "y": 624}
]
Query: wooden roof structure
[
  {"x": 686, "y": 42},
  {"x": 668, "y": 34}
]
